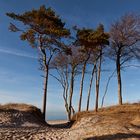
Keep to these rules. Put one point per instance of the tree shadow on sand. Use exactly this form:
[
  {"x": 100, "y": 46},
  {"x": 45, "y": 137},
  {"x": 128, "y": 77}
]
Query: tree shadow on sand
[
  {"x": 117, "y": 136},
  {"x": 66, "y": 125}
]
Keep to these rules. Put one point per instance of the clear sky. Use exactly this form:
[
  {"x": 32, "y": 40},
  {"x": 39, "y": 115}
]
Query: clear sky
[{"x": 20, "y": 79}]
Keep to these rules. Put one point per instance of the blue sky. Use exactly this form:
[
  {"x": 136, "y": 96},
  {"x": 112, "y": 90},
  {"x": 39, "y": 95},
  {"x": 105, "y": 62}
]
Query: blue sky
[{"x": 20, "y": 79}]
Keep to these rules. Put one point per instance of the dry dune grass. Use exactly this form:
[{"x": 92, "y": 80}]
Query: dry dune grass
[
  {"x": 116, "y": 109},
  {"x": 111, "y": 123},
  {"x": 17, "y": 106},
  {"x": 17, "y": 115}
]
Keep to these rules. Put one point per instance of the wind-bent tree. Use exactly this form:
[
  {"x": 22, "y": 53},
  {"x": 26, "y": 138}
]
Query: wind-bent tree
[
  {"x": 43, "y": 29},
  {"x": 102, "y": 40},
  {"x": 88, "y": 49},
  {"x": 93, "y": 62},
  {"x": 86, "y": 57},
  {"x": 85, "y": 51},
  {"x": 125, "y": 35},
  {"x": 94, "y": 41}
]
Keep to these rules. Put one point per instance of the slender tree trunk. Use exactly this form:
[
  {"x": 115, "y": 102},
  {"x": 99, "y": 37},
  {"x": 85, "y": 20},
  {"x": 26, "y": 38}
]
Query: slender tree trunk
[
  {"x": 81, "y": 86},
  {"x": 106, "y": 88},
  {"x": 118, "y": 67},
  {"x": 65, "y": 96},
  {"x": 45, "y": 92},
  {"x": 96, "y": 96},
  {"x": 89, "y": 91},
  {"x": 66, "y": 91},
  {"x": 65, "y": 100},
  {"x": 71, "y": 93},
  {"x": 98, "y": 75}
]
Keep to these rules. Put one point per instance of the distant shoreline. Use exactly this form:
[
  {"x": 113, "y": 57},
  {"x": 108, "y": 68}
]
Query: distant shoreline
[{"x": 57, "y": 121}]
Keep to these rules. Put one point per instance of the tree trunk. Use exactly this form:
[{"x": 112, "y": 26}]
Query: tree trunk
[
  {"x": 66, "y": 104},
  {"x": 81, "y": 86},
  {"x": 65, "y": 101},
  {"x": 45, "y": 92},
  {"x": 118, "y": 67},
  {"x": 89, "y": 91},
  {"x": 66, "y": 93},
  {"x": 106, "y": 88},
  {"x": 98, "y": 75},
  {"x": 71, "y": 93}
]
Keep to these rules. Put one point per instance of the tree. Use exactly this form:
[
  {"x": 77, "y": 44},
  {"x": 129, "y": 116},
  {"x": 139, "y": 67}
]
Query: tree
[
  {"x": 61, "y": 65},
  {"x": 86, "y": 58},
  {"x": 94, "y": 42},
  {"x": 43, "y": 29},
  {"x": 102, "y": 40},
  {"x": 106, "y": 87},
  {"x": 74, "y": 62},
  {"x": 93, "y": 62},
  {"x": 67, "y": 67},
  {"x": 85, "y": 51},
  {"x": 125, "y": 35}
]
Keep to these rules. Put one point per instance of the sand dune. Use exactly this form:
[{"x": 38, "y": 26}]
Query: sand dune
[{"x": 24, "y": 122}]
